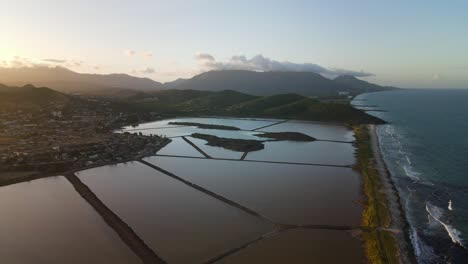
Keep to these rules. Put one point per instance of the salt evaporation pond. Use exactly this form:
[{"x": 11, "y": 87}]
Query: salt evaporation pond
[
  {"x": 46, "y": 221},
  {"x": 222, "y": 201}
]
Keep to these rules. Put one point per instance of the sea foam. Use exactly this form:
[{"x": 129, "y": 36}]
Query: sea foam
[{"x": 437, "y": 213}]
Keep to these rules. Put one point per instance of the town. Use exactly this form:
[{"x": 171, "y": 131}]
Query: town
[{"x": 67, "y": 136}]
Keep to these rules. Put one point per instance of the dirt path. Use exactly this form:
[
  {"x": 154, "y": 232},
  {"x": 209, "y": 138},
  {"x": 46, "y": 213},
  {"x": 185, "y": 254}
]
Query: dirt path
[
  {"x": 399, "y": 223},
  {"x": 124, "y": 231}
]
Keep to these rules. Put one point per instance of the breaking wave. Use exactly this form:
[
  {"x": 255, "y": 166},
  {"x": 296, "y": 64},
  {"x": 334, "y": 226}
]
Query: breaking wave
[{"x": 437, "y": 213}]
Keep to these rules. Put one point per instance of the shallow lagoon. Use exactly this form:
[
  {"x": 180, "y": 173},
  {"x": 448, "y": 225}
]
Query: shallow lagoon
[
  {"x": 242, "y": 123},
  {"x": 46, "y": 221},
  {"x": 302, "y": 246},
  {"x": 289, "y": 194},
  {"x": 314, "y": 129},
  {"x": 316, "y": 152},
  {"x": 180, "y": 223},
  {"x": 184, "y": 225}
]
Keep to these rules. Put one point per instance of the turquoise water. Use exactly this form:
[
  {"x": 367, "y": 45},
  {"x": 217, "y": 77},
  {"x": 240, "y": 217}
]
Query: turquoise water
[{"x": 425, "y": 147}]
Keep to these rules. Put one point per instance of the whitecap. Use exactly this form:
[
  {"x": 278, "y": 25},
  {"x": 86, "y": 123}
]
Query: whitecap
[
  {"x": 408, "y": 159},
  {"x": 421, "y": 250},
  {"x": 411, "y": 173},
  {"x": 436, "y": 213},
  {"x": 450, "y": 205}
]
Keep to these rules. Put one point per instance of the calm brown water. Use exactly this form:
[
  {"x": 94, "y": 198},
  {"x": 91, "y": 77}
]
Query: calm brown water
[
  {"x": 46, "y": 221},
  {"x": 181, "y": 224},
  {"x": 318, "y": 131},
  {"x": 245, "y": 123},
  {"x": 316, "y": 152},
  {"x": 302, "y": 246},
  {"x": 179, "y": 147},
  {"x": 292, "y": 194}
]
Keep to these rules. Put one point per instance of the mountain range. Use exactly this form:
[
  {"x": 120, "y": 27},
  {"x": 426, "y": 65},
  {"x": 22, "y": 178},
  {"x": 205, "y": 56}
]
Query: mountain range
[
  {"x": 173, "y": 102},
  {"x": 125, "y": 86}
]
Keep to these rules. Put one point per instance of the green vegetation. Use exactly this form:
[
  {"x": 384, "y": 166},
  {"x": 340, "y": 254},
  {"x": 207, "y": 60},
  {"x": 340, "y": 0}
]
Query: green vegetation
[
  {"x": 204, "y": 126},
  {"x": 234, "y": 144},
  {"x": 291, "y": 136},
  {"x": 380, "y": 244},
  {"x": 29, "y": 97},
  {"x": 232, "y": 103}
]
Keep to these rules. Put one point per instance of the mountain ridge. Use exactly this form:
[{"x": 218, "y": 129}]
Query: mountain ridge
[{"x": 119, "y": 85}]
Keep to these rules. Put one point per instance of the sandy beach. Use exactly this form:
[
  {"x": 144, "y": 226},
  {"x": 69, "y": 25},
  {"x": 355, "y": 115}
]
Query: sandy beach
[{"x": 399, "y": 225}]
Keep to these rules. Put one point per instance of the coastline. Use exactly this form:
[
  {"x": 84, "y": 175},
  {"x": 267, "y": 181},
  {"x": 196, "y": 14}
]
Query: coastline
[
  {"x": 399, "y": 221},
  {"x": 388, "y": 240}
]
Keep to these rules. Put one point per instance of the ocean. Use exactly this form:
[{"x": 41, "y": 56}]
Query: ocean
[{"x": 425, "y": 147}]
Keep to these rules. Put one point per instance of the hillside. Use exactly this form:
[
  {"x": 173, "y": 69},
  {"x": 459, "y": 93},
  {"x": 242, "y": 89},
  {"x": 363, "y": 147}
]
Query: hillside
[
  {"x": 67, "y": 81},
  {"x": 270, "y": 83},
  {"x": 123, "y": 86},
  {"x": 232, "y": 103},
  {"x": 363, "y": 86},
  {"x": 29, "y": 97}
]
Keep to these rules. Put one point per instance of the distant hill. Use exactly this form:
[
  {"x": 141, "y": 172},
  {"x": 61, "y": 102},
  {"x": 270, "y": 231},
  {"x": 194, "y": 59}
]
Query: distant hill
[
  {"x": 362, "y": 86},
  {"x": 123, "y": 86},
  {"x": 233, "y": 103},
  {"x": 29, "y": 97},
  {"x": 270, "y": 83},
  {"x": 67, "y": 81}
]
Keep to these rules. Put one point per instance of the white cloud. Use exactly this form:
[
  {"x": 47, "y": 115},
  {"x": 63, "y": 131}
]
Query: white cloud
[
  {"x": 261, "y": 63},
  {"x": 148, "y": 70},
  {"x": 59, "y": 61},
  {"x": 148, "y": 55},
  {"x": 130, "y": 53},
  {"x": 204, "y": 57}
]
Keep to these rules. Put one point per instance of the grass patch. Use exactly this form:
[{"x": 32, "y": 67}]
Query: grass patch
[{"x": 380, "y": 244}]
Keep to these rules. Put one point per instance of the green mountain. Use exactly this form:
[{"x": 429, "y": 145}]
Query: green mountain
[
  {"x": 29, "y": 97},
  {"x": 67, "y": 81},
  {"x": 270, "y": 83},
  {"x": 362, "y": 86},
  {"x": 233, "y": 103},
  {"x": 123, "y": 86}
]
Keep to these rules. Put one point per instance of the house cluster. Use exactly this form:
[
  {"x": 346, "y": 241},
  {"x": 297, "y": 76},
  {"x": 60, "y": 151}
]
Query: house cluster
[{"x": 77, "y": 136}]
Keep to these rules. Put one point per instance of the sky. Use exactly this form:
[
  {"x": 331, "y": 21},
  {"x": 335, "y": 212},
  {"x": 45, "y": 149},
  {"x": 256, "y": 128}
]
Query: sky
[{"x": 412, "y": 44}]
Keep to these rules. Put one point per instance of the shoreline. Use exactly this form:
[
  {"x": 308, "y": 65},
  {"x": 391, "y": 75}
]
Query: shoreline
[
  {"x": 398, "y": 226},
  {"x": 390, "y": 243},
  {"x": 380, "y": 242}
]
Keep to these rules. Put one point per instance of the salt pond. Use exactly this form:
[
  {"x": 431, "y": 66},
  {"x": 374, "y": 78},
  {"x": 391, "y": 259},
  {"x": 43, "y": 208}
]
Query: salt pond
[
  {"x": 302, "y": 246},
  {"x": 289, "y": 194},
  {"x": 180, "y": 223},
  {"x": 46, "y": 221},
  {"x": 222, "y": 201}
]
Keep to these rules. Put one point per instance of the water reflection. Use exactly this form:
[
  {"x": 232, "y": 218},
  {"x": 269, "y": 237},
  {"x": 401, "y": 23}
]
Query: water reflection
[
  {"x": 46, "y": 221},
  {"x": 319, "y": 131},
  {"x": 179, "y": 147},
  {"x": 293, "y": 194},
  {"x": 181, "y": 224},
  {"x": 302, "y": 246},
  {"x": 245, "y": 124},
  {"x": 318, "y": 152}
]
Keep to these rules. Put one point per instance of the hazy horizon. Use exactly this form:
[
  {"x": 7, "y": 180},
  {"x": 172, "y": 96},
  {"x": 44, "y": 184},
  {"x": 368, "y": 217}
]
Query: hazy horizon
[{"x": 411, "y": 45}]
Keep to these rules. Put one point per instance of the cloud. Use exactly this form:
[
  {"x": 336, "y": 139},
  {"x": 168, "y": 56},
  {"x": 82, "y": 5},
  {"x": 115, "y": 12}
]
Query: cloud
[
  {"x": 261, "y": 63},
  {"x": 204, "y": 56},
  {"x": 148, "y": 55},
  {"x": 148, "y": 70},
  {"x": 130, "y": 53},
  {"x": 55, "y": 60}
]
